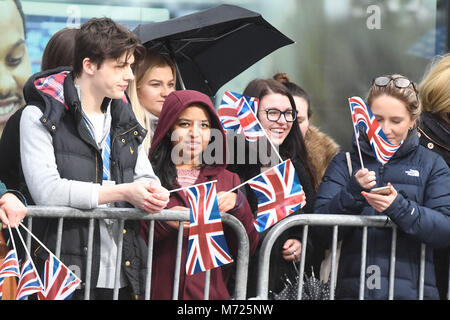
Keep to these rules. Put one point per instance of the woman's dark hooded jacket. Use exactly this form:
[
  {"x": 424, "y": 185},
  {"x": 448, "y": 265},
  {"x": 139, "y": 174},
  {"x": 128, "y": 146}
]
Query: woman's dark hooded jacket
[{"x": 421, "y": 212}]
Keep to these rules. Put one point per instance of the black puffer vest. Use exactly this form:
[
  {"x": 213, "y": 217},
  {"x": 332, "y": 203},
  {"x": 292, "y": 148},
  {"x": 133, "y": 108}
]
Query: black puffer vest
[{"x": 78, "y": 158}]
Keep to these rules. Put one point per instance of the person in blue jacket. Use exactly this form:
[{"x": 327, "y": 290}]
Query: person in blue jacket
[{"x": 418, "y": 201}]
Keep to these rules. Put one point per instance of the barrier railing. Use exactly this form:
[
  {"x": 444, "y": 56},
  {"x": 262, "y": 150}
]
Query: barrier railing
[
  {"x": 242, "y": 258},
  {"x": 335, "y": 221},
  {"x": 122, "y": 214}
]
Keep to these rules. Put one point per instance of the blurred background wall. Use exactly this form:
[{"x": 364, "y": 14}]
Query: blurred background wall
[{"x": 340, "y": 45}]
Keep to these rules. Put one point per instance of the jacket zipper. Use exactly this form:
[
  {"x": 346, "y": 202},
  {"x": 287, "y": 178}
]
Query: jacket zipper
[{"x": 381, "y": 172}]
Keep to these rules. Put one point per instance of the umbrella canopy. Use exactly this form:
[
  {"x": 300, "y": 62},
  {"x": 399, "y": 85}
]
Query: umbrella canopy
[{"x": 212, "y": 46}]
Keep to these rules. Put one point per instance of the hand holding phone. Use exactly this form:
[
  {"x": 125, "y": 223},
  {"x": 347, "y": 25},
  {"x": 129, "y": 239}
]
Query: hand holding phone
[
  {"x": 386, "y": 190},
  {"x": 380, "y": 204}
]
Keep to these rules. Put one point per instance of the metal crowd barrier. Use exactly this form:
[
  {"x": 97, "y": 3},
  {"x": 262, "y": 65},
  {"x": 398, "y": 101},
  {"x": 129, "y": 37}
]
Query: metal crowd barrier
[
  {"x": 122, "y": 214},
  {"x": 333, "y": 220}
]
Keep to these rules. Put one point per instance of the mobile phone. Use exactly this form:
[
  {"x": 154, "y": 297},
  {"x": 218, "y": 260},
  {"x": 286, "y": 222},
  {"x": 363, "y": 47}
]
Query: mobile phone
[{"x": 381, "y": 190}]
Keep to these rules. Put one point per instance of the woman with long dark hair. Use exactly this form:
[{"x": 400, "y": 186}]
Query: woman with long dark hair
[{"x": 277, "y": 115}]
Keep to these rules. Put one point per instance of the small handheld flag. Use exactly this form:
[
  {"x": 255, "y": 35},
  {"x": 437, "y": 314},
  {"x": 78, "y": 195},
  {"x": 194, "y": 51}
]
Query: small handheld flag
[
  {"x": 238, "y": 113},
  {"x": 59, "y": 281},
  {"x": 10, "y": 265},
  {"x": 29, "y": 282},
  {"x": 227, "y": 112},
  {"x": 362, "y": 115},
  {"x": 246, "y": 113},
  {"x": 279, "y": 194},
  {"x": 207, "y": 248}
]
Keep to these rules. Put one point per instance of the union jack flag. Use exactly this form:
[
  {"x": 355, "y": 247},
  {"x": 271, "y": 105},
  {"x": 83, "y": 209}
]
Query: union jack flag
[
  {"x": 246, "y": 112},
  {"x": 238, "y": 113},
  {"x": 207, "y": 248},
  {"x": 59, "y": 281},
  {"x": 279, "y": 194},
  {"x": 29, "y": 281},
  {"x": 362, "y": 115},
  {"x": 227, "y": 112},
  {"x": 10, "y": 265}
]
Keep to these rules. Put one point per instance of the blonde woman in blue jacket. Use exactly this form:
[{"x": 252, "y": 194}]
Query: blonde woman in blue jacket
[{"x": 418, "y": 201}]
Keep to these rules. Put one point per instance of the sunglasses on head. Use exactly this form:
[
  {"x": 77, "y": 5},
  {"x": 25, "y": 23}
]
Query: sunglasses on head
[{"x": 400, "y": 82}]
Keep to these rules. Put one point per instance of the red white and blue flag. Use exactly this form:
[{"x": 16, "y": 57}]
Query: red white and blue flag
[
  {"x": 29, "y": 282},
  {"x": 238, "y": 113},
  {"x": 227, "y": 112},
  {"x": 9, "y": 268},
  {"x": 207, "y": 248},
  {"x": 59, "y": 281},
  {"x": 10, "y": 265},
  {"x": 1, "y": 287},
  {"x": 362, "y": 115},
  {"x": 279, "y": 194},
  {"x": 246, "y": 112}
]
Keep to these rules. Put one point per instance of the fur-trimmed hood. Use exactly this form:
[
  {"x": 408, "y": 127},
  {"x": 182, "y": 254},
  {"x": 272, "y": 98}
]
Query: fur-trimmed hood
[{"x": 321, "y": 150}]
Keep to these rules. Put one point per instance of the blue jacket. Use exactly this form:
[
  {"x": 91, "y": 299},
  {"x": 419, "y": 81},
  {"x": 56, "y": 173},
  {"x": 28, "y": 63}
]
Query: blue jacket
[{"x": 421, "y": 211}]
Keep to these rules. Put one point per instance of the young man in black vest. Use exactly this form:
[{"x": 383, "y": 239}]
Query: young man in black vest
[{"x": 81, "y": 146}]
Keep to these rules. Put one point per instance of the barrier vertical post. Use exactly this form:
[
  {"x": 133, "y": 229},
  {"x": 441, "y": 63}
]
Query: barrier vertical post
[
  {"x": 362, "y": 275},
  {"x": 148, "y": 278},
  {"x": 118, "y": 260},
  {"x": 87, "y": 287},
  {"x": 392, "y": 266}
]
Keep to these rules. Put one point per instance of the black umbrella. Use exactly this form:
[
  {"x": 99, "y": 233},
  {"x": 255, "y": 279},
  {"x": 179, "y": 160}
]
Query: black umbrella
[
  {"x": 212, "y": 46},
  {"x": 313, "y": 289}
]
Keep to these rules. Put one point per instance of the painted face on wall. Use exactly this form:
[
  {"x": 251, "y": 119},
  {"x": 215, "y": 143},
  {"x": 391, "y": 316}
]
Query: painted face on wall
[
  {"x": 393, "y": 117},
  {"x": 15, "y": 68},
  {"x": 156, "y": 86}
]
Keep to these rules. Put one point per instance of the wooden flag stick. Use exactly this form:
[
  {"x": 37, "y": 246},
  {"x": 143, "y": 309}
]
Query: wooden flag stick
[
  {"x": 12, "y": 239},
  {"x": 183, "y": 188},
  {"x": 356, "y": 137},
  {"x": 237, "y": 187},
  {"x": 35, "y": 238},
  {"x": 29, "y": 256}
]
